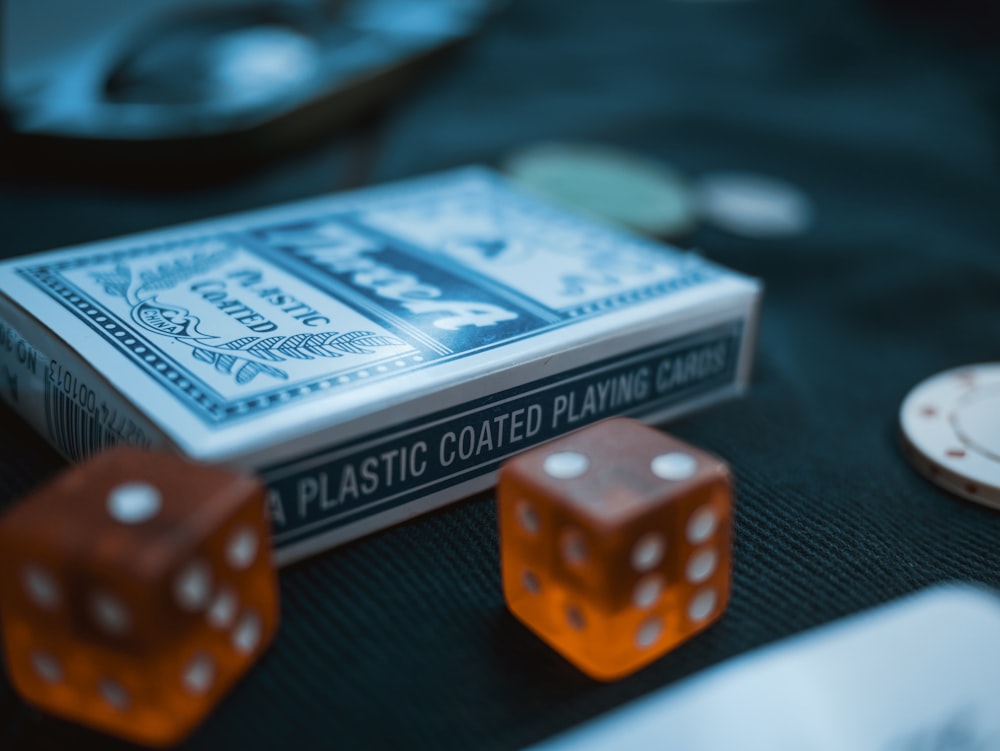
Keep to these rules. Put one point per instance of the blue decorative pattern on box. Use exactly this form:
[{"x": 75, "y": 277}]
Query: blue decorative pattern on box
[{"x": 247, "y": 319}]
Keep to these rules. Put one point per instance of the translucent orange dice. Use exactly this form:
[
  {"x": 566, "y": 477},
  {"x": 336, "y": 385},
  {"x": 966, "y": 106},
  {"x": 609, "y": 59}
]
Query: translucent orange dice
[
  {"x": 135, "y": 589},
  {"x": 615, "y": 543}
]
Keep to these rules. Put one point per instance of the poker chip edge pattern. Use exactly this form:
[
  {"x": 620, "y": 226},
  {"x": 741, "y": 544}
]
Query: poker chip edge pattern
[{"x": 931, "y": 442}]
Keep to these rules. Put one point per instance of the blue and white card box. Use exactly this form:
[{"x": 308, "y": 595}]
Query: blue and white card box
[{"x": 373, "y": 354}]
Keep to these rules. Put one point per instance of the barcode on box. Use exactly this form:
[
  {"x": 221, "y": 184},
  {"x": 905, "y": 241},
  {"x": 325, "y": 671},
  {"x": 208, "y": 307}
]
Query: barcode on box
[{"x": 80, "y": 422}]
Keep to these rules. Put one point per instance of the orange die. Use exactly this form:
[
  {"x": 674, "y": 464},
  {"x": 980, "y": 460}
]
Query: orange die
[
  {"x": 136, "y": 588},
  {"x": 615, "y": 543}
]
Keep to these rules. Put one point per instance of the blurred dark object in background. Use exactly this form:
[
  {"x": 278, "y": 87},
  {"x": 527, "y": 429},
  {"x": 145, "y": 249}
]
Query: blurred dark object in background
[
  {"x": 976, "y": 21},
  {"x": 223, "y": 88}
]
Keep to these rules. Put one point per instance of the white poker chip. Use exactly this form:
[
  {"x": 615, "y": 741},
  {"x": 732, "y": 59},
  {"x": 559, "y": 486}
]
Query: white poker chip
[
  {"x": 950, "y": 426},
  {"x": 628, "y": 189},
  {"x": 753, "y": 205}
]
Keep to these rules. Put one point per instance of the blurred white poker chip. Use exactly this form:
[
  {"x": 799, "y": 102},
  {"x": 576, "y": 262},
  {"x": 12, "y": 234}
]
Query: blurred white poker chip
[
  {"x": 639, "y": 193},
  {"x": 950, "y": 426},
  {"x": 752, "y": 205}
]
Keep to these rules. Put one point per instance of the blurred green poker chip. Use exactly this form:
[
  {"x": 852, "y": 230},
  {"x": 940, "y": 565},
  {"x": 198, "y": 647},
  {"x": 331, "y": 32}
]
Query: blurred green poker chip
[{"x": 639, "y": 193}]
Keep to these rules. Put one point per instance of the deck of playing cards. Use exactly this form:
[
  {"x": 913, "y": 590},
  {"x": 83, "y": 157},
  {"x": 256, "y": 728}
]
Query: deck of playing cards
[{"x": 373, "y": 354}]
